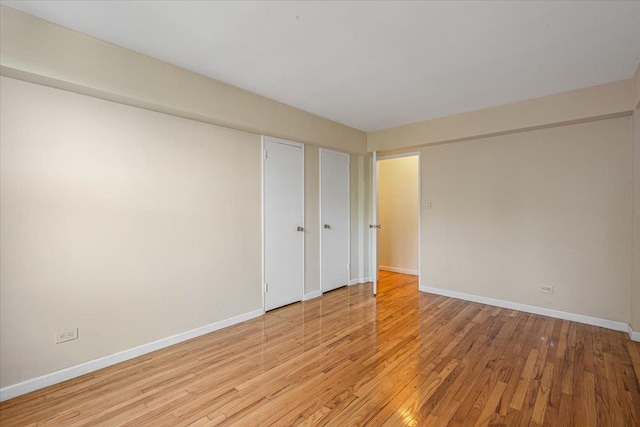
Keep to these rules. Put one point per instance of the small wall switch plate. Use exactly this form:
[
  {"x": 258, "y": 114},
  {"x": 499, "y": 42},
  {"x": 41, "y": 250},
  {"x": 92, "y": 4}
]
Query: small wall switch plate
[
  {"x": 68, "y": 335},
  {"x": 546, "y": 289}
]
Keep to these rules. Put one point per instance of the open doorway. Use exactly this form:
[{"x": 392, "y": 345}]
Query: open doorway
[{"x": 398, "y": 217}]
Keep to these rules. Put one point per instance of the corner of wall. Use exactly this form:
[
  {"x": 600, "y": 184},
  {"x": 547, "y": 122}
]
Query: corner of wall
[
  {"x": 636, "y": 88},
  {"x": 635, "y": 281}
]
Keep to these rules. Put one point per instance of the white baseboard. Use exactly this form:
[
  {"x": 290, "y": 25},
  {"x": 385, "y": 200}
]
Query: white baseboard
[
  {"x": 580, "y": 318},
  {"x": 360, "y": 280},
  {"x": 103, "y": 362},
  {"x": 312, "y": 295},
  {"x": 398, "y": 270}
]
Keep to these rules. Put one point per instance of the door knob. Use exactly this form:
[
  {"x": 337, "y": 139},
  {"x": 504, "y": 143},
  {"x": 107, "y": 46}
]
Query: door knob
[
  {"x": 327, "y": 226},
  {"x": 300, "y": 228}
]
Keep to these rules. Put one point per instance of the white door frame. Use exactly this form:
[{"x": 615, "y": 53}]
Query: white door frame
[
  {"x": 373, "y": 240},
  {"x": 262, "y": 159},
  {"x": 374, "y": 198},
  {"x": 321, "y": 223}
]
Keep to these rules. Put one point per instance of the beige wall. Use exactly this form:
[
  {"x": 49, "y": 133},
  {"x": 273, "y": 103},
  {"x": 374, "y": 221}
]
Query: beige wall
[
  {"x": 355, "y": 216},
  {"x": 123, "y": 222},
  {"x": 311, "y": 219},
  {"x": 549, "y": 207},
  {"x": 36, "y": 50},
  {"x": 113, "y": 216},
  {"x": 607, "y": 100},
  {"x": 398, "y": 214}
]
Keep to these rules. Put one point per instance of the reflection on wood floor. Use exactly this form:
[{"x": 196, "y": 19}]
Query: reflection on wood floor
[{"x": 347, "y": 358}]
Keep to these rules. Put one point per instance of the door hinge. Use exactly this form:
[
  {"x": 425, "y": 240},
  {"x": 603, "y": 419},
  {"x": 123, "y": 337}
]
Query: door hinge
[
  {"x": 265, "y": 154},
  {"x": 266, "y": 287},
  {"x": 348, "y": 266}
]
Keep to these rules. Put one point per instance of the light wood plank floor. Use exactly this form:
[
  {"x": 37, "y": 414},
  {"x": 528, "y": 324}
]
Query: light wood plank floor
[{"x": 403, "y": 358}]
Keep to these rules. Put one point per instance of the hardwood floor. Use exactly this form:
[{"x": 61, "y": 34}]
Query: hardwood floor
[{"x": 403, "y": 358}]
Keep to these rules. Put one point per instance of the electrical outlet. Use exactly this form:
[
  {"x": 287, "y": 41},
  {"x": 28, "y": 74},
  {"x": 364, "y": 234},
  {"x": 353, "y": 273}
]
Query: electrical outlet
[
  {"x": 68, "y": 335},
  {"x": 546, "y": 289}
]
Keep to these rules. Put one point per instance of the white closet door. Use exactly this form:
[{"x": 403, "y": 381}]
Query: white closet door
[
  {"x": 334, "y": 219},
  {"x": 283, "y": 205}
]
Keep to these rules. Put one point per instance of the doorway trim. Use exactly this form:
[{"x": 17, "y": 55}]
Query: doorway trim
[
  {"x": 263, "y": 284},
  {"x": 375, "y": 200},
  {"x": 320, "y": 223}
]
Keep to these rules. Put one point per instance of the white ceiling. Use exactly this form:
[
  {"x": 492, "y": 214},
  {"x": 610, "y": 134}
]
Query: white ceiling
[{"x": 374, "y": 65}]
